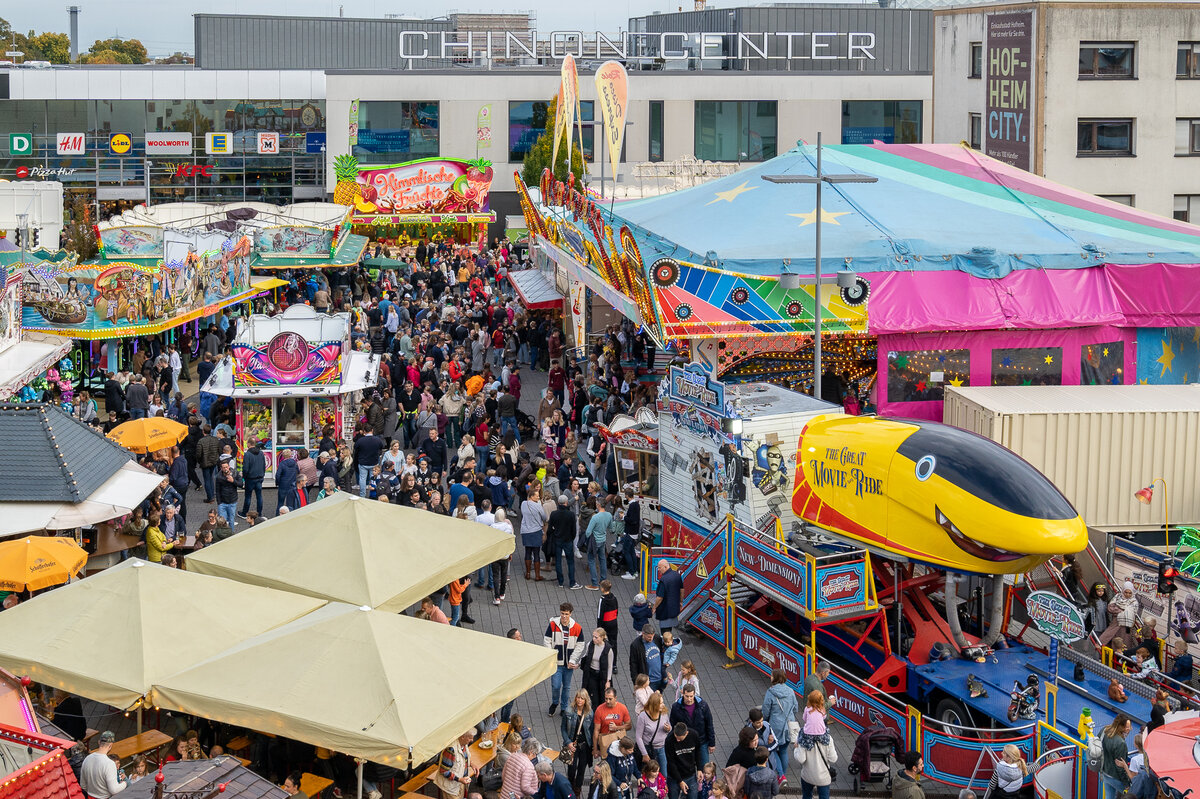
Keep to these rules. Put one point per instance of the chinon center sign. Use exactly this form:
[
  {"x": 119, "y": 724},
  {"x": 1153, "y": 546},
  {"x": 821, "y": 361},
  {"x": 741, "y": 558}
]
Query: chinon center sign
[{"x": 635, "y": 47}]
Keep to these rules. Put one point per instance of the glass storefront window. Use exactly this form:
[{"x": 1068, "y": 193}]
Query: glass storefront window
[
  {"x": 1102, "y": 364},
  {"x": 1027, "y": 366},
  {"x": 922, "y": 375},
  {"x": 526, "y": 121},
  {"x": 888, "y": 121},
  {"x": 734, "y": 130},
  {"x": 656, "y": 131},
  {"x": 392, "y": 131}
]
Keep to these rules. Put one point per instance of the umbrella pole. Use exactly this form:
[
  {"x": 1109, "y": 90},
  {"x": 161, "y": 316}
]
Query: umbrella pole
[
  {"x": 360, "y": 765},
  {"x": 139, "y": 718}
]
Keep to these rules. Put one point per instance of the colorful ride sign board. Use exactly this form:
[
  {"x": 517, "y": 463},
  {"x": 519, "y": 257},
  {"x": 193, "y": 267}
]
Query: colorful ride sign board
[
  {"x": 429, "y": 186},
  {"x": 858, "y": 706},
  {"x": 287, "y": 360},
  {"x": 701, "y": 572},
  {"x": 765, "y": 651},
  {"x": 710, "y": 620},
  {"x": 758, "y": 562},
  {"x": 842, "y": 585},
  {"x": 1055, "y": 616}
]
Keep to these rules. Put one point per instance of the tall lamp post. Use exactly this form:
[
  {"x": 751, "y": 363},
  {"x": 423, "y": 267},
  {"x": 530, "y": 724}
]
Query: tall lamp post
[
  {"x": 1146, "y": 496},
  {"x": 843, "y": 278}
]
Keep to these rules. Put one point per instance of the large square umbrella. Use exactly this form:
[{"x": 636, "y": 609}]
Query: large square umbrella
[
  {"x": 357, "y": 551},
  {"x": 111, "y": 636},
  {"x": 381, "y": 686},
  {"x": 1173, "y": 752}
]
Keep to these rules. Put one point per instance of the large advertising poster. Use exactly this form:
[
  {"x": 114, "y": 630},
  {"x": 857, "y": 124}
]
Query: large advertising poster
[
  {"x": 292, "y": 240},
  {"x": 126, "y": 298},
  {"x": 133, "y": 241},
  {"x": 1008, "y": 122}
]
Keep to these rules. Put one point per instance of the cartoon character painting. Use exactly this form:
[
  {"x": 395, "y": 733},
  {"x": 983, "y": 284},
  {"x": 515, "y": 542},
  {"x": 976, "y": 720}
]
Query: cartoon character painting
[{"x": 704, "y": 483}]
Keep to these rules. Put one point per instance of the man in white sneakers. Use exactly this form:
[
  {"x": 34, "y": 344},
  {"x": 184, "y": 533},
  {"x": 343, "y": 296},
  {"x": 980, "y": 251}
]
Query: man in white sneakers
[{"x": 565, "y": 636}]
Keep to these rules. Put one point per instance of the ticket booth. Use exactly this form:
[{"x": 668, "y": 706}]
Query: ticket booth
[
  {"x": 634, "y": 444},
  {"x": 293, "y": 376}
]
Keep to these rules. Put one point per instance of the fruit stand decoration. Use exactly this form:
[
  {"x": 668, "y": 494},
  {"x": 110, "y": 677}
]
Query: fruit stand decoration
[{"x": 430, "y": 190}]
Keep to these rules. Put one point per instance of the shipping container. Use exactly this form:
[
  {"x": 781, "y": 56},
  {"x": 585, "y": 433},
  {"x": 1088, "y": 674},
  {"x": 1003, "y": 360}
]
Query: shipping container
[{"x": 1098, "y": 444}]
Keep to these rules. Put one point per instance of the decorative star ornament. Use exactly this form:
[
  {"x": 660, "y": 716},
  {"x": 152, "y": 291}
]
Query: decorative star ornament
[
  {"x": 956, "y": 381},
  {"x": 827, "y": 217},
  {"x": 732, "y": 194},
  {"x": 1167, "y": 357},
  {"x": 1106, "y": 352},
  {"x": 1049, "y": 359}
]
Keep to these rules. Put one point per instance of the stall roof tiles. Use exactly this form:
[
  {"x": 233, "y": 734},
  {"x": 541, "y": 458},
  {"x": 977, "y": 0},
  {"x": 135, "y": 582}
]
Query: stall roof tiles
[
  {"x": 52, "y": 457},
  {"x": 199, "y": 776}
]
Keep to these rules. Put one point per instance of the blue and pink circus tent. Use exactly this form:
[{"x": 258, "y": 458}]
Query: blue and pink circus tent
[{"x": 980, "y": 273}]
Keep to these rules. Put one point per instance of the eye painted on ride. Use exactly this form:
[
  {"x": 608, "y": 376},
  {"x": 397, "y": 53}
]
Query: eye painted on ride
[{"x": 925, "y": 467}]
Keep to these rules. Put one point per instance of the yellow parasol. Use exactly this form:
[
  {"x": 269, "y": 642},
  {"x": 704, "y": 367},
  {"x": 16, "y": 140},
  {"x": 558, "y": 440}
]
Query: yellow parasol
[
  {"x": 149, "y": 435},
  {"x": 37, "y": 562}
]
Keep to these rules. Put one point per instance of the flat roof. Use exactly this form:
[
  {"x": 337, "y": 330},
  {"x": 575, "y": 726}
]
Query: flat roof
[
  {"x": 1082, "y": 399},
  {"x": 767, "y": 399}
]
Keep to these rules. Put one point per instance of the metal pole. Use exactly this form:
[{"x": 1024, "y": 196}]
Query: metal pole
[
  {"x": 817, "y": 287},
  {"x": 360, "y": 778}
]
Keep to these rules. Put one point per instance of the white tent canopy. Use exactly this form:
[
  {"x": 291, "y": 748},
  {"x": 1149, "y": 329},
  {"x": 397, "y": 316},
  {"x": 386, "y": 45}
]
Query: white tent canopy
[{"x": 117, "y": 496}]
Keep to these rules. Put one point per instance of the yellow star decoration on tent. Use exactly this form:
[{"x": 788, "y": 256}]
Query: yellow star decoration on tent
[
  {"x": 827, "y": 217},
  {"x": 956, "y": 381},
  {"x": 1106, "y": 352},
  {"x": 1049, "y": 359},
  {"x": 1168, "y": 355},
  {"x": 732, "y": 194}
]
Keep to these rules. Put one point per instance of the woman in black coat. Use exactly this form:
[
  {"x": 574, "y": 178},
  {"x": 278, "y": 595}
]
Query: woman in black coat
[{"x": 597, "y": 666}]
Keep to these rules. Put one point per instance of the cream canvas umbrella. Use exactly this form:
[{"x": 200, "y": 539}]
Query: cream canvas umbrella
[
  {"x": 381, "y": 686},
  {"x": 110, "y": 637},
  {"x": 357, "y": 551}
]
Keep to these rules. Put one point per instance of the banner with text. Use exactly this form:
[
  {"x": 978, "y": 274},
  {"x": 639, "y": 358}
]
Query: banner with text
[
  {"x": 1008, "y": 121},
  {"x": 612, "y": 93}
]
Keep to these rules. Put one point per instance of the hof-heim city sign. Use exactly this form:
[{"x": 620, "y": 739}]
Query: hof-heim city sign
[{"x": 633, "y": 46}]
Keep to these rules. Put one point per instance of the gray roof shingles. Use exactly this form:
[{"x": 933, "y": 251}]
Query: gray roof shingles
[{"x": 52, "y": 457}]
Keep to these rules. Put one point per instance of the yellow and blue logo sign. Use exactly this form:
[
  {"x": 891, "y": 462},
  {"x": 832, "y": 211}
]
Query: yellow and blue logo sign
[
  {"x": 120, "y": 144},
  {"x": 218, "y": 143}
]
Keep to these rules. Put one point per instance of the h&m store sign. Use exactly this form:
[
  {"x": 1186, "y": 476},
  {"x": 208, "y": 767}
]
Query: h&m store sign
[{"x": 642, "y": 47}]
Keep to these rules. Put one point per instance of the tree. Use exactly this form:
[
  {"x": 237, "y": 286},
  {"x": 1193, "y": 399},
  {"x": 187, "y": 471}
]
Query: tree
[
  {"x": 132, "y": 49},
  {"x": 104, "y": 57},
  {"x": 178, "y": 57},
  {"x": 192, "y": 121},
  {"x": 52, "y": 47},
  {"x": 80, "y": 235},
  {"x": 538, "y": 157}
]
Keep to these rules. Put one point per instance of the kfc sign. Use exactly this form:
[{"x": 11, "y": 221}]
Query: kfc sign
[
  {"x": 194, "y": 170},
  {"x": 71, "y": 144}
]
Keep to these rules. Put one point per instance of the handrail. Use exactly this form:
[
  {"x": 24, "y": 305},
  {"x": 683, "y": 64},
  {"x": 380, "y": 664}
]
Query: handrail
[{"x": 992, "y": 731}]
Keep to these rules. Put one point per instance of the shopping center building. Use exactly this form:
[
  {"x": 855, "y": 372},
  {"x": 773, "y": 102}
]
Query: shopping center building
[{"x": 1105, "y": 100}]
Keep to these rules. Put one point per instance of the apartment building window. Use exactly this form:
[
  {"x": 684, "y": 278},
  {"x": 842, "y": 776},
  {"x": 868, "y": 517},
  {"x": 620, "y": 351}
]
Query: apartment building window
[
  {"x": 1187, "y": 207},
  {"x": 656, "y": 130},
  {"x": 1105, "y": 137},
  {"x": 975, "y": 125},
  {"x": 1187, "y": 137},
  {"x": 1187, "y": 60},
  {"x": 1106, "y": 60},
  {"x": 1123, "y": 199},
  {"x": 976, "y": 70}
]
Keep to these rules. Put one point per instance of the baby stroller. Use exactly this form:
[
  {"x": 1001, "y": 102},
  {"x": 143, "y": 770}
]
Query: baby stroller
[{"x": 873, "y": 750}]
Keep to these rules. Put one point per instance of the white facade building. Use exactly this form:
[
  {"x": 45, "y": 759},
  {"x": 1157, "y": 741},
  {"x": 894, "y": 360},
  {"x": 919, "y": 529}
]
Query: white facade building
[{"x": 1113, "y": 94}]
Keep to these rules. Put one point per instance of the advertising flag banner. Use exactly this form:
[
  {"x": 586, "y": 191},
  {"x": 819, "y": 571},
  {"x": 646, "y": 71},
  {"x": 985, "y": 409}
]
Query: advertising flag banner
[
  {"x": 579, "y": 312},
  {"x": 612, "y": 93},
  {"x": 560, "y": 116},
  {"x": 570, "y": 100},
  {"x": 483, "y": 127},
  {"x": 1009, "y": 117},
  {"x": 353, "y": 122}
]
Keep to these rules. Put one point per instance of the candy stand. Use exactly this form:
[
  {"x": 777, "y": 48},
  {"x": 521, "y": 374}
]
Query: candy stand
[{"x": 291, "y": 375}]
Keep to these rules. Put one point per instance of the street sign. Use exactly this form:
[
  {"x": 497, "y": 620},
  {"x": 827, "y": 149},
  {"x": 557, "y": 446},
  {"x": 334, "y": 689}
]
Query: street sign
[{"x": 20, "y": 144}]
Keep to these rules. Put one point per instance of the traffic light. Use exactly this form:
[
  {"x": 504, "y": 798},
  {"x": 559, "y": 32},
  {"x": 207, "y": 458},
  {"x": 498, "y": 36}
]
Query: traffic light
[{"x": 1166, "y": 577}]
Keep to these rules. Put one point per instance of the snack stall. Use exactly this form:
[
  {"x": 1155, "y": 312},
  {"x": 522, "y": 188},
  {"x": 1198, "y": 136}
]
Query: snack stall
[
  {"x": 291, "y": 375},
  {"x": 635, "y": 445}
]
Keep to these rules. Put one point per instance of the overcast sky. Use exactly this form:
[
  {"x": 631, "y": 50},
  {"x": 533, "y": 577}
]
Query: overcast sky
[{"x": 165, "y": 26}]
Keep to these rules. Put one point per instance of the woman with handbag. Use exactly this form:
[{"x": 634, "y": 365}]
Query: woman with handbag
[
  {"x": 816, "y": 756},
  {"x": 651, "y": 731},
  {"x": 779, "y": 710},
  {"x": 577, "y": 724},
  {"x": 596, "y": 662}
]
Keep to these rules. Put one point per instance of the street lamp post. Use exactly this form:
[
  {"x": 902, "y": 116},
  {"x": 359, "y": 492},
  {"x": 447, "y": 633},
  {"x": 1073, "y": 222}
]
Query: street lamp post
[
  {"x": 819, "y": 180},
  {"x": 1146, "y": 496}
]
